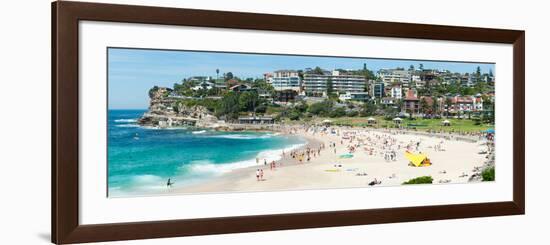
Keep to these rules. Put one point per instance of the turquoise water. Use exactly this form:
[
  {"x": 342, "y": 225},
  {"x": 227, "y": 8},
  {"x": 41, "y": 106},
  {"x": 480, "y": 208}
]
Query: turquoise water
[{"x": 140, "y": 160}]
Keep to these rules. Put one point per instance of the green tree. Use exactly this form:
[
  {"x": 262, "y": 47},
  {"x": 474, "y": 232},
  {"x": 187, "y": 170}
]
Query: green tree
[
  {"x": 293, "y": 115},
  {"x": 338, "y": 112},
  {"x": 478, "y": 74},
  {"x": 435, "y": 106},
  {"x": 248, "y": 100},
  {"x": 152, "y": 91},
  {"x": 369, "y": 108},
  {"x": 424, "y": 106},
  {"x": 301, "y": 106},
  {"x": 320, "y": 108},
  {"x": 262, "y": 85},
  {"x": 317, "y": 70},
  {"x": 390, "y": 112},
  {"x": 352, "y": 113},
  {"x": 480, "y": 87},
  {"x": 229, "y": 76},
  {"x": 330, "y": 88},
  {"x": 400, "y": 104},
  {"x": 488, "y": 115},
  {"x": 301, "y": 74},
  {"x": 229, "y": 106},
  {"x": 448, "y": 103}
]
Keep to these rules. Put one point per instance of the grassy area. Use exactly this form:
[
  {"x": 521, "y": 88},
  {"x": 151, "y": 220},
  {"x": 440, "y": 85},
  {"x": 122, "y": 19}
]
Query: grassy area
[{"x": 463, "y": 125}]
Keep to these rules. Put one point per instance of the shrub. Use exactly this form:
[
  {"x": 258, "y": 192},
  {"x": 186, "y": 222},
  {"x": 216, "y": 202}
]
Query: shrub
[
  {"x": 152, "y": 91},
  {"x": 301, "y": 107},
  {"x": 320, "y": 108},
  {"x": 419, "y": 180},
  {"x": 294, "y": 115},
  {"x": 352, "y": 113},
  {"x": 338, "y": 112},
  {"x": 261, "y": 109},
  {"x": 488, "y": 174}
]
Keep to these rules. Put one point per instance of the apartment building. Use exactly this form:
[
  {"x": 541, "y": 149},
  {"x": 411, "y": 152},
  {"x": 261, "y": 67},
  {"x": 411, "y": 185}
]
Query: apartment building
[
  {"x": 317, "y": 84},
  {"x": 282, "y": 80}
]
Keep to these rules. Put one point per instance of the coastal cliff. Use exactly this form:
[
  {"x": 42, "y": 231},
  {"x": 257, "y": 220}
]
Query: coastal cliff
[{"x": 170, "y": 111}]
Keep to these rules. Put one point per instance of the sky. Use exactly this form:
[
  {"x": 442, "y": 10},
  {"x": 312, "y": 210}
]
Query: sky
[{"x": 132, "y": 72}]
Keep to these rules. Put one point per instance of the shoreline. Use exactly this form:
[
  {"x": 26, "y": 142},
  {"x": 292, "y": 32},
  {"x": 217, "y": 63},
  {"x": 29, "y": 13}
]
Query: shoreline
[
  {"x": 330, "y": 170},
  {"x": 284, "y": 160},
  {"x": 322, "y": 172}
]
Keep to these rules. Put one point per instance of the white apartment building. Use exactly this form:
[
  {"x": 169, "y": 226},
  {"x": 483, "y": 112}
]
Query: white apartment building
[
  {"x": 390, "y": 76},
  {"x": 396, "y": 91},
  {"x": 316, "y": 84},
  {"x": 285, "y": 80},
  {"x": 467, "y": 80}
]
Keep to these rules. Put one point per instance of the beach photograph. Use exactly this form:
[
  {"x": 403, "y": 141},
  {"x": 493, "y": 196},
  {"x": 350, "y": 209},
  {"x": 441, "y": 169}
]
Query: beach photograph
[{"x": 202, "y": 122}]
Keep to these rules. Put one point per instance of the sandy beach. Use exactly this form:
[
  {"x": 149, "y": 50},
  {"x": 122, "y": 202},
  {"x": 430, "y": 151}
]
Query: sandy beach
[{"x": 354, "y": 157}]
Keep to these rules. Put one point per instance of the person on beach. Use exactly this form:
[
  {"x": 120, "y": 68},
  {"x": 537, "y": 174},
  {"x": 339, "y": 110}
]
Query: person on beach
[
  {"x": 265, "y": 162},
  {"x": 257, "y": 174},
  {"x": 261, "y": 174},
  {"x": 169, "y": 183}
]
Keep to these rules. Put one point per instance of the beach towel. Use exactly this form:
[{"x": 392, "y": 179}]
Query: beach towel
[{"x": 346, "y": 155}]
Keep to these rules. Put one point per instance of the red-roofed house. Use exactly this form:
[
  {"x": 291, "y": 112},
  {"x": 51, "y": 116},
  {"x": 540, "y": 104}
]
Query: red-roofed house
[
  {"x": 478, "y": 103},
  {"x": 240, "y": 88},
  {"x": 411, "y": 103},
  {"x": 465, "y": 104}
]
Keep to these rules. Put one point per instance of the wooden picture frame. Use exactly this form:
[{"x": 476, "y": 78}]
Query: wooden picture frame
[{"x": 65, "y": 121}]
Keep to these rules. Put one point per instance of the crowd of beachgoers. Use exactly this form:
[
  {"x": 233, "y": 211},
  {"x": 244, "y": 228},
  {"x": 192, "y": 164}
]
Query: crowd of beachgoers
[{"x": 340, "y": 157}]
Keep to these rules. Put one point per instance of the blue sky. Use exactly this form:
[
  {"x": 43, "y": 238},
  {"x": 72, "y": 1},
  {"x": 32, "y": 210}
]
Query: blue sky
[{"x": 132, "y": 72}]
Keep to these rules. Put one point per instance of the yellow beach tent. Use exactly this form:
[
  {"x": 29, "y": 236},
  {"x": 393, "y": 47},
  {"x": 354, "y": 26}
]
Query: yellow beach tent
[{"x": 418, "y": 159}]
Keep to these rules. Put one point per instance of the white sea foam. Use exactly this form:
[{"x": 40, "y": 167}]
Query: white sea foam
[
  {"x": 199, "y": 132},
  {"x": 161, "y": 128},
  {"x": 131, "y": 120},
  {"x": 146, "y": 179},
  {"x": 244, "y": 136},
  {"x": 207, "y": 167},
  {"x": 148, "y": 182},
  {"x": 128, "y": 126},
  {"x": 145, "y": 184}
]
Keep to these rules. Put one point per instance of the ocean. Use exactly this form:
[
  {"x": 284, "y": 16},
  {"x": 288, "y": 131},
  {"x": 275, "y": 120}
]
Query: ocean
[{"x": 141, "y": 159}]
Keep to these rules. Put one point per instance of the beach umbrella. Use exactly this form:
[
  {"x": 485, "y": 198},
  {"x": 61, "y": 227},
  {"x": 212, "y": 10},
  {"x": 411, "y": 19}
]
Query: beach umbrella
[
  {"x": 490, "y": 131},
  {"x": 417, "y": 159},
  {"x": 371, "y": 120},
  {"x": 397, "y": 120}
]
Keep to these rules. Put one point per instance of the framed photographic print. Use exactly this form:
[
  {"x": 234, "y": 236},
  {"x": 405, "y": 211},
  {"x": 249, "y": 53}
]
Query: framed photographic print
[{"x": 176, "y": 122}]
